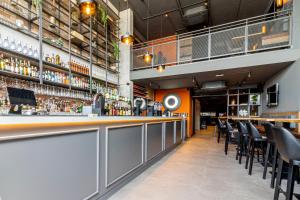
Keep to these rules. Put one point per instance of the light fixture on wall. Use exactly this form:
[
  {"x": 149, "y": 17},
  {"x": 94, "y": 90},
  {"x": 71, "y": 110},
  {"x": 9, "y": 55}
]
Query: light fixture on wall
[
  {"x": 147, "y": 56},
  {"x": 127, "y": 38},
  {"x": 161, "y": 68},
  {"x": 87, "y": 7}
]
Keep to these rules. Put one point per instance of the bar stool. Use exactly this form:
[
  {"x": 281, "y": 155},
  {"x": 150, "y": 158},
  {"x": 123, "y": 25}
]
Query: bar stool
[
  {"x": 257, "y": 142},
  {"x": 242, "y": 146},
  {"x": 231, "y": 136},
  {"x": 271, "y": 156},
  {"x": 221, "y": 128},
  {"x": 288, "y": 147}
]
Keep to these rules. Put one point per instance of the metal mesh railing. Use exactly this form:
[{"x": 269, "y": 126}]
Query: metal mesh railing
[{"x": 241, "y": 37}]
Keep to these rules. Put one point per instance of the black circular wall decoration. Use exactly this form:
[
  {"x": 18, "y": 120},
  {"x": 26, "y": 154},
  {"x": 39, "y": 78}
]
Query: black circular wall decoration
[{"x": 172, "y": 102}]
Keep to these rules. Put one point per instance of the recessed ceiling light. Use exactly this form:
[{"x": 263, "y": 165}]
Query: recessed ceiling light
[
  {"x": 166, "y": 15},
  {"x": 219, "y": 75},
  {"x": 205, "y": 3}
]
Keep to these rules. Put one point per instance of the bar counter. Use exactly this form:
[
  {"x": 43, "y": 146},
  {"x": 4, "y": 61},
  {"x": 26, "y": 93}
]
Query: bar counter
[{"x": 80, "y": 158}]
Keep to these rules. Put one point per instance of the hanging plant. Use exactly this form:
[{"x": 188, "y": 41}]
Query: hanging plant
[
  {"x": 37, "y": 4},
  {"x": 116, "y": 52},
  {"x": 102, "y": 15}
]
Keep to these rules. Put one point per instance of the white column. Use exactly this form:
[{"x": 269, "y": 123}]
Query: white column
[
  {"x": 296, "y": 24},
  {"x": 126, "y": 25}
]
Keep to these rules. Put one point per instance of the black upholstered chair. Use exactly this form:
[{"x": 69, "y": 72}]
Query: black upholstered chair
[
  {"x": 288, "y": 147},
  {"x": 221, "y": 128},
  {"x": 230, "y": 136},
  {"x": 243, "y": 140},
  {"x": 256, "y": 143},
  {"x": 271, "y": 153}
]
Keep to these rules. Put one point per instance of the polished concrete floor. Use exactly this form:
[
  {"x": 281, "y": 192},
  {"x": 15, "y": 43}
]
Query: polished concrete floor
[{"x": 198, "y": 169}]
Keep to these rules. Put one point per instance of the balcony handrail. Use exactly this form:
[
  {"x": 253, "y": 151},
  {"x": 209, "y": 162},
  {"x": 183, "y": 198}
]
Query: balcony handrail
[{"x": 216, "y": 28}]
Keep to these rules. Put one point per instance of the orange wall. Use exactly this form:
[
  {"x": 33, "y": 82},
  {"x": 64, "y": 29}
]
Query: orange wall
[{"x": 186, "y": 104}]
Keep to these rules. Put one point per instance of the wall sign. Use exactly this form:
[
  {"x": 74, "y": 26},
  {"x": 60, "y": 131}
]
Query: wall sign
[{"x": 172, "y": 102}]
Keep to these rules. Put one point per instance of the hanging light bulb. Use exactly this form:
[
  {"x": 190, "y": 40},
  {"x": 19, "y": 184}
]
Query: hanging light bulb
[
  {"x": 161, "y": 68},
  {"x": 147, "y": 57},
  {"x": 87, "y": 7},
  {"x": 127, "y": 39},
  {"x": 264, "y": 28},
  {"x": 279, "y": 3}
]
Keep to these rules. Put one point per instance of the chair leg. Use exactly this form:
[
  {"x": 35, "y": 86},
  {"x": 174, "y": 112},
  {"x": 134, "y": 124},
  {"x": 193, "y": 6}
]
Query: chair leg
[
  {"x": 274, "y": 163},
  {"x": 248, "y": 154},
  {"x": 219, "y": 135},
  {"x": 290, "y": 182},
  {"x": 278, "y": 179},
  {"x": 241, "y": 149},
  {"x": 226, "y": 142},
  {"x": 238, "y": 148},
  {"x": 266, "y": 160},
  {"x": 257, "y": 153},
  {"x": 252, "y": 150}
]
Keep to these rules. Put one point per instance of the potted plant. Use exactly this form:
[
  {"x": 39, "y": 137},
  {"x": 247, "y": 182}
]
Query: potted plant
[{"x": 254, "y": 99}]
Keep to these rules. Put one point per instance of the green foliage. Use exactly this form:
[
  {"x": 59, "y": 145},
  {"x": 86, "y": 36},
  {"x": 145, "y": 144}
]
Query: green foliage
[
  {"x": 116, "y": 50},
  {"x": 102, "y": 15},
  {"x": 37, "y": 4}
]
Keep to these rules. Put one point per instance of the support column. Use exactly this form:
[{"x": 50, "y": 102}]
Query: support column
[
  {"x": 126, "y": 25},
  {"x": 296, "y": 24}
]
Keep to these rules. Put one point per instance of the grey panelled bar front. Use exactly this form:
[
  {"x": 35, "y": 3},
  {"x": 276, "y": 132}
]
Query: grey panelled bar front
[
  {"x": 154, "y": 140},
  {"x": 88, "y": 162}
]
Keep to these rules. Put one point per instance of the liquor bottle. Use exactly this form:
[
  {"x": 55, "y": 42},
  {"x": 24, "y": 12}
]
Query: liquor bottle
[
  {"x": 29, "y": 69},
  {"x": 16, "y": 68},
  {"x": 57, "y": 59},
  {"x": 25, "y": 68},
  {"x": 2, "y": 63},
  {"x": 21, "y": 69},
  {"x": 30, "y": 51}
]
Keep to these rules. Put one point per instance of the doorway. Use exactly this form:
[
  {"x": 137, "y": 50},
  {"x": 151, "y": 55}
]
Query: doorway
[{"x": 207, "y": 109}]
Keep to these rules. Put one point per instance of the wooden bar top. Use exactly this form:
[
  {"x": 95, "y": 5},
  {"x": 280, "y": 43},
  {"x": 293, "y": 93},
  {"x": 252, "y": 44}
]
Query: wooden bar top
[
  {"x": 10, "y": 123},
  {"x": 283, "y": 120}
]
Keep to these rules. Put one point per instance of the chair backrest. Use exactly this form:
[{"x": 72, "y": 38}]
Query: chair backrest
[
  {"x": 228, "y": 126},
  {"x": 219, "y": 123},
  {"x": 268, "y": 129},
  {"x": 252, "y": 130},
  {"x": 242, "y": 128},
  {"x": 288, "y": 146}
]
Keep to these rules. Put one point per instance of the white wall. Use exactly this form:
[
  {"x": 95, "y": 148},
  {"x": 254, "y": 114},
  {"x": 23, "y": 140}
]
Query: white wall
[{"x": 289, "y": 91}]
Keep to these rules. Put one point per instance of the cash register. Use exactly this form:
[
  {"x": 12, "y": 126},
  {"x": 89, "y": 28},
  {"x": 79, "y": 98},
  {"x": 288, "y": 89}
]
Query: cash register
[{"x": 22, "y": 101}]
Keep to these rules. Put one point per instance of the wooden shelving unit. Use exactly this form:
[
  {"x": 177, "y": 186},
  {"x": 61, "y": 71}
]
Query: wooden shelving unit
[
  {"x": 243, "y": 102},
  {"x": 58, "y": 22}
]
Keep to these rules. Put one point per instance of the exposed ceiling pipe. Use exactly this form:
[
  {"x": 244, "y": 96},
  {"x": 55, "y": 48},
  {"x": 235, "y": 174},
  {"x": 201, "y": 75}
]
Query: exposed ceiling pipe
[{"x": 173, "y": 10}]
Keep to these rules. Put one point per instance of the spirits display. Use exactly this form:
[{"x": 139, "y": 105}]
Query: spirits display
[
  {"x": 76, "y": 67},
  {"x": 18, "y": 66}
]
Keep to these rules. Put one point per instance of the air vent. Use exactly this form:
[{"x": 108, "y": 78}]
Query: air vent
[{"x": 216, "y": 85}]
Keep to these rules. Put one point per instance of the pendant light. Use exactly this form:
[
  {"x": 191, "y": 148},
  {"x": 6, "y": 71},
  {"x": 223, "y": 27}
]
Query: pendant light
[
  {"x": 161, "y": 68},
  {"x": 148, "y": 57},
  {"x": 264, "y": 29},
  {"x": 279, "y": 3},
  {"x": 127, "y": 38},
  {"x": 87, "y": 7}
]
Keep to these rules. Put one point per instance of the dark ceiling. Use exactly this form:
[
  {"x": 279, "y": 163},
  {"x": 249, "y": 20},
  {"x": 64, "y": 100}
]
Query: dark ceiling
[
  {"x": 188, "y": 15},
  {"x": 232, "y": 77}
]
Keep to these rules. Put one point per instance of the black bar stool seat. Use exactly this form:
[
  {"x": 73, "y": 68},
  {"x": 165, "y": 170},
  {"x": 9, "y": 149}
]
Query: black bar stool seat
[{"x": 288, "y": 147}]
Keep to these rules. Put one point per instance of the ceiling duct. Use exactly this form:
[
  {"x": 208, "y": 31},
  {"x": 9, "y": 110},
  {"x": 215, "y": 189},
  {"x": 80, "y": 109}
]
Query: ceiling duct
[
  {"x": 215, "y": 85},
  {"x": 195, "y": 15}
]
